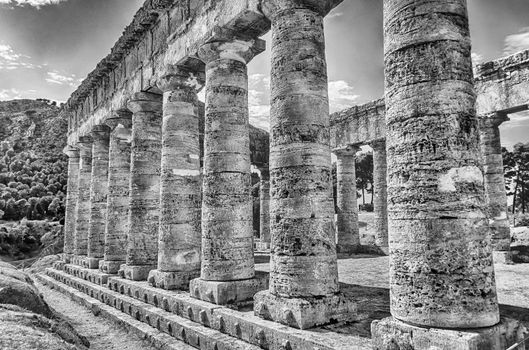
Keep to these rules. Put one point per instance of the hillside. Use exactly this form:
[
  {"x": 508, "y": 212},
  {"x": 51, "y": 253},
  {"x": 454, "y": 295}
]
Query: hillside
[{"x": 33, "y": 174}]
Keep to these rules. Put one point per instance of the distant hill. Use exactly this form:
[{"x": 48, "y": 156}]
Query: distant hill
[{"x": 33, "y": 169}]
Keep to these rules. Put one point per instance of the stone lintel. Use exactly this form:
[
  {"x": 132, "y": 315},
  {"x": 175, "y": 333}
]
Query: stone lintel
[
  {"x": 172, "y": 279},
  {"x": 110, "y": 267},
  {"x": 389, "y": 334},
  {"x": 304, "y": 313},
  {"x": 136, "y": 273},
  {"x": 228, "y": 292}
]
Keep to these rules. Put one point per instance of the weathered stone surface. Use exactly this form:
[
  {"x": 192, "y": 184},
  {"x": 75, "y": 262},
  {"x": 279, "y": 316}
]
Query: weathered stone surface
[
  {"x": 303, "y": 256},
  {"x": 442, "y": 272},
  {"x": 347, "y": 231},
  {"x": 71, "y": 202},
  {"x": 118, "y": 200},
  {"x": 144, "y": 214},
  {"x": 495, "y": 192},
  {"x": 98, "y": 195},
  {"x": 380, "y": 199},
  {"x": 264, "y": 218},
  {"x": 390, "y": 334},
  {"x": 82, "y": 213},
  {"x": 179, "y": 237},
  {"x": 520, "y": 244}
]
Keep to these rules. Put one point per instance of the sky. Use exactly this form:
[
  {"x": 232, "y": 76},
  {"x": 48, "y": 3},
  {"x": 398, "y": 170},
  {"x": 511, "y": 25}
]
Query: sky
[{"x": 48, "y": 46}]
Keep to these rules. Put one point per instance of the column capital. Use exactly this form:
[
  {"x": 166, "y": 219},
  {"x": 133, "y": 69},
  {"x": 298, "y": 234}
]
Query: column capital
[
  {"x": 85, "y": 143},
  {"x": 493, "y": 120},
  {"x": 272, "y": 7},
  {"x": 121, "y": 118},
  {"x": 145, "y": 102},
  {"x": 378, "y": 145},
  {"x": 71, "y": 151},
  {"x": 238, "y": 49},
  {"x": 100, "y": 133},
  {"x": 177, "y": 77},
  {"x": 349, "y": 150}
]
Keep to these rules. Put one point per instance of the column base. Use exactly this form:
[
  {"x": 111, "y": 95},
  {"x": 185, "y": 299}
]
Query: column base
[
  {"x": 67, "y": 258},
  {"x": 502, "y": 257},
  {"x": 348, "y": 248},
  {"x": 172, "y": 280},
  {"x": 93, "y": 263},
  {"x": 135, "y": 273},
  {"x": 228, "y": 292},
  {"x": 110, "y": 267},
  {"x": 304, "y": 313},
  {"x": 389, "y": 334}
]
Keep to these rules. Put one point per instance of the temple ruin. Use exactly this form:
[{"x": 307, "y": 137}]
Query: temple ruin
[{"x": 159, "y": 209}]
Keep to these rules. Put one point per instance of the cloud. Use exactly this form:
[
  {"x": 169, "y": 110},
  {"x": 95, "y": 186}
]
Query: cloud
[
  {"x": 341, "y": 95},
  {"x": 34, "y": 3},
  {"x": 11, "y": 60},
  {"x": 13, "y": 94},
  {"x": 55, "y": 77},
  {"x": 517, "y": 42},
  {"x": 259, "y": 100}
]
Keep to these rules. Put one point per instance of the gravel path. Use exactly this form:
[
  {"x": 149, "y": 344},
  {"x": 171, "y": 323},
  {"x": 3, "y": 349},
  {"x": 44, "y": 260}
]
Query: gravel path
[{"x": 102, "y": 333}]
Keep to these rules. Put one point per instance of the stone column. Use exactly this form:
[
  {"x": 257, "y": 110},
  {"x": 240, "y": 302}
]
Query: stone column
[
  {"x": 227, "y": 272},
  {"x": 304, "y": 288},
  {"x": 180, "y": 201},
  {"x": 347, "y": 232},
  {"x": 98, "y": 195},
  {"x": 118, "y": 199},
  {"x": 71, "y": 202},
  {"x": 441, "y": 269},
  {"x": 82, "y": 213},
  {"x": 495, "y": 191},
  {"x": 380, "y": 200},
  {"x": 264, "y": 194},
  {"x": 144, "y": 214}
]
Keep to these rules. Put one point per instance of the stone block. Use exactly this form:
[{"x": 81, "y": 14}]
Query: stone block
[
  {"x": 389, "y": 334},
  {"x": 79, "y": 260},
  {"x": 67, "y": 258},
  {"x": 172, "y": 280},
  {"x": 59, "y": 265},
  {"x": 502, "y": 257},
  {"x": 92, "y": 263},
  {"x": 304, "y": 313},
  {"x": 110, "y": 267},
  {"x": 136, "y": 273},
  {"x": 228, "y": 292}
]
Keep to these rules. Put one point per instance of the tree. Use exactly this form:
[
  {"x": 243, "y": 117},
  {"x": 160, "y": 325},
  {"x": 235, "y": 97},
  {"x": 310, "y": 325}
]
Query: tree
[
  {"x": 516, "y": 172},
  {"x": 364, "y": 174}
]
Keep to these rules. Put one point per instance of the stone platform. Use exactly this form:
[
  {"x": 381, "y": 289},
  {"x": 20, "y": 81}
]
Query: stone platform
[{"x": 201, "y": 324}]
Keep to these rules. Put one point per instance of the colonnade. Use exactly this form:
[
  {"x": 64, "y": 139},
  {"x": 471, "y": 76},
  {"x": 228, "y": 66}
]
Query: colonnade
[{"x": 183, "y": 228}]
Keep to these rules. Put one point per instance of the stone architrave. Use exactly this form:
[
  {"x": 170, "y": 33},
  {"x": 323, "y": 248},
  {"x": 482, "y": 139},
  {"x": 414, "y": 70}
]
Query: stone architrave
[
  {"x": 82, "y": 210},
  {"x": 380, "y": 199},
  {"x": 264, "y": 219},
  {"x": 144, "y": 214},
  {"x": 98, "y": 195},
  {"x": 442, "y": 282},
  {"x": 495, "y": 191},
  {"x": 304, "y": 289},
  {"x": 227, "y": 271},
  {"x": 71, "y": 202},
  {"x": 118, "y": 199},
  {"x": 347, "y": 231},
  {"x": 179, "y": 237}
]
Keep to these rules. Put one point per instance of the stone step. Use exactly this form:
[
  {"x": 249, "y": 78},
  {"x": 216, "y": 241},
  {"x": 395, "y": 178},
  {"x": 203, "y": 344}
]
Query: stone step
[
  {"x": 156, "y": 338},
  {"x": 184, "y": 330},
  {"x": 240, "y": 324}
]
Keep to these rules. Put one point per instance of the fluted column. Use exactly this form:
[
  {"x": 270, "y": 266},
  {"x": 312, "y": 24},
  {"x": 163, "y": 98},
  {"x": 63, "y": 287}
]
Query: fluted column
[
  {"x": 71, "y": 202},
  {"x": 380, "y": 200},
  {"x": 227, "y": 270},
  {"x": 118, "y": 199},
  {"x": 144, "y": 214},
  {"x": 179, "y": 237},
  {"x": 264, "y": 194},
  {"x": 347, "y": 231},
  {"x": 98, "y": 195},
  {"x": 303, "y": 269},
  {"x": 495, "y": 192},
  {"x": 441, "y": 268},
  {"x": 82, "y": 213}
]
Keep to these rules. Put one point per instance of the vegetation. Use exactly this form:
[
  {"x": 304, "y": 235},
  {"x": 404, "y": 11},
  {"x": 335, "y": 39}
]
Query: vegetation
[{"x": 516, "y": 172}]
